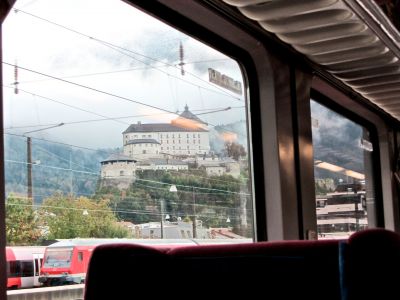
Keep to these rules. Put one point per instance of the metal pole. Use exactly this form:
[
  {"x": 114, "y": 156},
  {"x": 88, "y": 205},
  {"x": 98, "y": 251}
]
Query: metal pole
[
  {"x": 357, "y": 218},
  {"x": 194, "y": 216},
  {"x": 29, "y": 159},
  {"x": 29, "y": 168},
  {"x": 162, "y": 218},
  {"x": 71, "y": 190}
]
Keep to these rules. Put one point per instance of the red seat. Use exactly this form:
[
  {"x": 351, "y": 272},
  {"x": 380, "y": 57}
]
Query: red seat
[
  {"x": 300, "y": 269},
  {"x": 370, "y": 265}
]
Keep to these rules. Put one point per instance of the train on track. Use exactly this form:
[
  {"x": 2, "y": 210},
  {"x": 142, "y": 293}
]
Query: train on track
[
  {"x": 23, "y": 266},
  {"x": 65, "y": 262}
]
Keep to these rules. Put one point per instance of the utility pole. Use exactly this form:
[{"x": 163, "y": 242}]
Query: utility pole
[
  {"x": 356, "y": 211},
  {"x": 162, "y": 218},
  {"x": 243, "y": 210},
  {"x": 181, "y": 58},
  {"x": 194, "y": 216},
  {"x": 29, "y": 167},
  {"x": 29, "y": 160},
  {"x": 71, "y": 190}
]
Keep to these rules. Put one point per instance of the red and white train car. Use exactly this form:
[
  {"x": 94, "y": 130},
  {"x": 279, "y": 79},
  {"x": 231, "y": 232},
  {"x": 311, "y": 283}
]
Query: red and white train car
[
  {"x": 23, "y": 266},
  {"x": 66, "y": 262}
]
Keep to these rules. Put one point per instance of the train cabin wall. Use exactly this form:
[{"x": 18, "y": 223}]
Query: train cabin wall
[{"x": 78, "y": 265}]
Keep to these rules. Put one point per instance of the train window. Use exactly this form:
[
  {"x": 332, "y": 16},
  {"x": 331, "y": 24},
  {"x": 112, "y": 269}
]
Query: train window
[
  {"x": 37, "y": 268},
  {"x": 58, "y": 257},
  {"x": 342, "y": 168},
  {"x": 13, "y": 269},
  {"x": 80, "y": 256},
  {"x": 82, "y": 97},
  {"x": 20, "y": 268},
  {"x": 26, "y": 268}
]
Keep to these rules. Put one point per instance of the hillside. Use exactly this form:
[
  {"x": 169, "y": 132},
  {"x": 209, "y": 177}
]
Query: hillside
[{"x": 56, "y": 168}]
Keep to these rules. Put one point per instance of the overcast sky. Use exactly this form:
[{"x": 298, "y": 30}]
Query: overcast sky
[{"x": 131, "y": 51}]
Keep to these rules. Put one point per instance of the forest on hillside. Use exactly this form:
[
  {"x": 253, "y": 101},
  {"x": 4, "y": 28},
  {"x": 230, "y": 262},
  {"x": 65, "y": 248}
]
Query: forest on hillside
[
  {"x": 55, "y": 168},
  {"x": 60, "y": 168}
]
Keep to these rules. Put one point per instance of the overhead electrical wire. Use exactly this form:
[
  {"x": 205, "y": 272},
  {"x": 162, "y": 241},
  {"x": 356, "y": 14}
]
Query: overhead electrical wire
[
  {"x": 113, "y": 72},
  {"x": 139, "y": 212},
  {"x": 104, "y": 92},
  {"x": 141, "y": 200},
  {"x": 93, "y": 89},
  {"x": 198, "y": 176},
  {"x": 62, "y": 158},
  {"x": 219, "y": 193},
  {"x": 71, "y": 106},
  {"x": 116, "y": 47},
  {"x": 61, "y": 143},
  {"x": 105, "y": 118},
  {"x": 88, "y": 74},
  {"x": 50, "y": 167},
  {"x": 191, "y": 187},
  {"x": 137, "y": 179}
]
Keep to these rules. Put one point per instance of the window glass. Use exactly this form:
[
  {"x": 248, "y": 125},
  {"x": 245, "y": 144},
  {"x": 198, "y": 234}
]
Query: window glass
[
  {"x": 87, "y": 86},
  {"x": 13, "y": 269},
  {"x": 27, "y": 268},
  {"x": 19, "y": 268},
  {"x": 342, "y": 170},
  {"x": 57, "y": 258},
  {"x": 37, "y": 268}
]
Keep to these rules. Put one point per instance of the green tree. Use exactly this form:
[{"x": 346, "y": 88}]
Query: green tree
[
  {"x": 211, "y": 198},
  {"x": 135, "y": 207},
  {"x": 234, "y": 150},
  {"x": 22, "y": 222},
  {"x": 197, "y": 194},
  {"x": 67, "y": 217}
]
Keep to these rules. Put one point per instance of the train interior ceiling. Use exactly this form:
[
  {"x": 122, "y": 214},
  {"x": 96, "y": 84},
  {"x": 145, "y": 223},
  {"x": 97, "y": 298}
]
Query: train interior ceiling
[{"x": 321, "y": 91}]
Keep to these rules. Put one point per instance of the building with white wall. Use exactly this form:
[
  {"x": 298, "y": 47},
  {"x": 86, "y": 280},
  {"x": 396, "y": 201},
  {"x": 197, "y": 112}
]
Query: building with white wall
[
  {"x": 143, "y": 147},
  {"x": 162, "y": 164},
  {"x": 118, "y": 166},
  {"x": 118, "y": 170},
  {"x": 172, "y": 230},
  {"x": 186, "y": 135},
  {"x": 215, "y": 166}
]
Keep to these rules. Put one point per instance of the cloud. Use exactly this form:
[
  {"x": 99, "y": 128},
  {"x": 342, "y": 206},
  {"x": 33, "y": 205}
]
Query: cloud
[{"x": 121, "y": 76}]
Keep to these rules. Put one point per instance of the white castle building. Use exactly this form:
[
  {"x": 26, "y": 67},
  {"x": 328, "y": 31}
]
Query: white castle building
[
  {"x": 156, "y": 146},
  {"x": 186, "y": 135}
]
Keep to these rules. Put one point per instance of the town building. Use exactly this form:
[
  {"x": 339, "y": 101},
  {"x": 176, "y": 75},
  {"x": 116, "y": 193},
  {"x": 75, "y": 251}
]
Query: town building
[
  {"x": 171, "y": 230},
  {"x": 165, "y": 164},
  {"x": 216, "y": 166},
  {"x": 342, "y": 212}
]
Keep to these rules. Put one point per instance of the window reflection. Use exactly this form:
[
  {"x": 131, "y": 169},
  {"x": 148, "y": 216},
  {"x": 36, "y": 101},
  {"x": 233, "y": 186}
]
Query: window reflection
[{"x": 342, "y": 170}]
